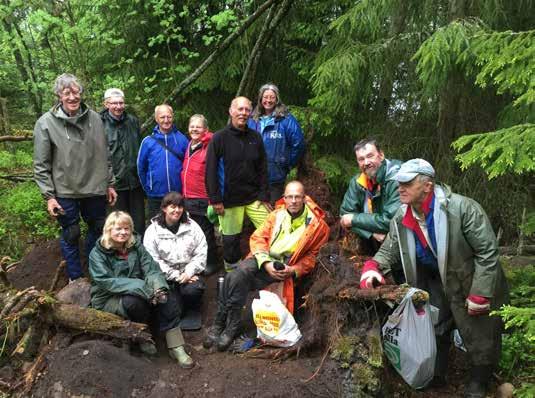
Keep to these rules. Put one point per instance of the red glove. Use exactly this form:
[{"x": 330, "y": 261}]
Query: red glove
[
  {"x": 477, "y": 305},
  {"x": 371, "y": 275}
]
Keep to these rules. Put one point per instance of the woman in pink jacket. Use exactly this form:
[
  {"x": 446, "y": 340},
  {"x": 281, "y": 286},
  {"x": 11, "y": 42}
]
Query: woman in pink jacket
[{"x": 193, "y": 187}]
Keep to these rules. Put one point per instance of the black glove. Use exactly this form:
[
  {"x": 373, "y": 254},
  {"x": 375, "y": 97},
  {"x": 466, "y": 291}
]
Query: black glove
[{"x": 160, "y": 297}]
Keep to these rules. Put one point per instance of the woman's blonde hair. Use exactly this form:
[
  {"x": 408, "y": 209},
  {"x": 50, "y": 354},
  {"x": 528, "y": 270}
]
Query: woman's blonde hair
[{"x": 115, "y": 218}]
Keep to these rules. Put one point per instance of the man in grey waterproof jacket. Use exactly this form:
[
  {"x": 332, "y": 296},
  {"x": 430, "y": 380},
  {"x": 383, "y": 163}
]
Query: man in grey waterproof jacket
[
  {"x": 124, "y": 138},
  {"x": 72, "y": 169},
  {"x": 372, "y": 198},
  {"x": 445, "y": 245}
]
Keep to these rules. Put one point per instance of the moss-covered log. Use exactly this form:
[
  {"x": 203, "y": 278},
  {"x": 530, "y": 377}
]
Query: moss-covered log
[{"x": 89, "y": 320}]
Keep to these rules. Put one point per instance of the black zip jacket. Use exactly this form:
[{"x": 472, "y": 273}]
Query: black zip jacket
[{"x": 236, "y": 168}]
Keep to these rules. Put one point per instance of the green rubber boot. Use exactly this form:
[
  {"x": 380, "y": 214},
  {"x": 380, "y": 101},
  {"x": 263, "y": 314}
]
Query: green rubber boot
[{"x": 175, "y": 344}]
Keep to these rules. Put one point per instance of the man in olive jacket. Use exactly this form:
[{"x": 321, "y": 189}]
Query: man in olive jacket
[
  {"x": 124, "y": 138},
  {"x": 372, "y": 197},
  {"x": 72, "y": 169},
  {"x": 445, "y": 245}
]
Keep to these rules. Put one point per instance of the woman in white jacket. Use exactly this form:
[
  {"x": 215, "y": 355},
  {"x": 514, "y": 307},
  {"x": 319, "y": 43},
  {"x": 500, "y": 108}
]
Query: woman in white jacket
[{"x": 178, "y": 245}]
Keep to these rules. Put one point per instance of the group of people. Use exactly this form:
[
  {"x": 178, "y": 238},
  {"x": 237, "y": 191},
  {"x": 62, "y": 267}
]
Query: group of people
[
  {"x": 416, "y": 229},
  {"x": 420, "y": 232}
]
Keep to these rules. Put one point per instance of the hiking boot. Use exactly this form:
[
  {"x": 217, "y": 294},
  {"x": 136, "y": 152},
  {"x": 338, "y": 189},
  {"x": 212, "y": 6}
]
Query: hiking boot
[
  {"x": 479, "y": 379},
  {"x": 148, "y": 348},
  {"x": 181, "y": 356},
  {"x": 231, "y": 331}
]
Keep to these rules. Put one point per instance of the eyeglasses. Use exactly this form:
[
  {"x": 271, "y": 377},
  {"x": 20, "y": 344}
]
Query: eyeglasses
[
  {"x": 69, "y": 92},
  {"x": 293, "y": 197},
  {"x": 116, "y": 103}
]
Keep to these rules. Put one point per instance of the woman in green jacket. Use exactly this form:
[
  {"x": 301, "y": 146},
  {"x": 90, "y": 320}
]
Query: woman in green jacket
[{"x": 126, "y": 281}]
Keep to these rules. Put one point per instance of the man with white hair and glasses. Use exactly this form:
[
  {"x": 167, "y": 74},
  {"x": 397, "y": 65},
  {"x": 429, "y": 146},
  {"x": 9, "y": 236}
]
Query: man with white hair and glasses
[{"x": 124, "y": 137}]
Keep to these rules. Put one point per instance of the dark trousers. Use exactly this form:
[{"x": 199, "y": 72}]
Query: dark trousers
[
  {"x": 186, "y": 295},
  {"x": 93, "y": 212},
  {"x": 132, "y": 201},
  {"x": 197, "y": 211},
  {"x": 153, "y": 205},
  {"x": 139, "y": 310},
  {"x": 238, "y": 283}
]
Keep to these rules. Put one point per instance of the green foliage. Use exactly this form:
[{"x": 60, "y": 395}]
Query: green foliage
[
  {"x": 19, "y": 159},
  {"x": 337, "y": 171},
  {"x": 508, "y": 150},
  {"x": 518, "y": 350},
  {"x": 22, "y": 212}
]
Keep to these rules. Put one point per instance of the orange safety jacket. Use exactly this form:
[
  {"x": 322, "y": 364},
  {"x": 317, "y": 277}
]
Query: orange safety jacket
[{"x": 316, "y": 234}]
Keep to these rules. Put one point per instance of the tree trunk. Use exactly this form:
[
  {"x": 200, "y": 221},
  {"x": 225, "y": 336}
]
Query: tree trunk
[{"x": 212, "y": 57}]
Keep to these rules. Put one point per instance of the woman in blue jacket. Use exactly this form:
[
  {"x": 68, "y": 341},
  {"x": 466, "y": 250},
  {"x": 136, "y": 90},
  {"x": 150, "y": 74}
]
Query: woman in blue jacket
[
  {"x": 159, "y": 162},
  {"x": 283, "y": 138}
]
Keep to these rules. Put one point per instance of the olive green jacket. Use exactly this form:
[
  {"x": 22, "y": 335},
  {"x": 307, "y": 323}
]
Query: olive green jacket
[
  {"x": 385, "y": 202},
  {"x": 113, "y": 277},
  {"x": 467, "y": 256},
  {"x": 124, "y": 138},
  {"x": 71, "y": 157}
]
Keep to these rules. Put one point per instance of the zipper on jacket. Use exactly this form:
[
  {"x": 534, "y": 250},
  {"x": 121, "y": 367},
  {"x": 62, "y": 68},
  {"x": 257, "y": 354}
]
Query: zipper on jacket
[
  {"x": 184, "y": 185},
  {"x": 167, "y": 165},
  {"x": 66, "y": 130}
]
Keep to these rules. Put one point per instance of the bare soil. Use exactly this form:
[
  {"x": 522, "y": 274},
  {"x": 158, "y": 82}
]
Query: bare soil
[{"x": 89, "y": 366}]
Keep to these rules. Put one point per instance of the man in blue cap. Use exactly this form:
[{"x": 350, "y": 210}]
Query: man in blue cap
[{"x": 444, "y": 244}]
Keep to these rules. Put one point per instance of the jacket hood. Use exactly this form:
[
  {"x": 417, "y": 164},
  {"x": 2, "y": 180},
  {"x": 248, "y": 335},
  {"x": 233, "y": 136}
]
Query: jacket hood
[
  {"x": 312, "y": 206},
  {"x": 207, "y": 138},
  {"x": 58, "y": 112}
]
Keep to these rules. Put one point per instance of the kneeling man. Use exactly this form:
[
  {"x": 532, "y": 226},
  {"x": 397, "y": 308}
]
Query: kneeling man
[
  {"x": 445, "y": 245},
  {"x": 283, "y": 248}
]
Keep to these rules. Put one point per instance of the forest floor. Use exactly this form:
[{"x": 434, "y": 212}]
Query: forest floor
[{"x": 90, "y": 366}]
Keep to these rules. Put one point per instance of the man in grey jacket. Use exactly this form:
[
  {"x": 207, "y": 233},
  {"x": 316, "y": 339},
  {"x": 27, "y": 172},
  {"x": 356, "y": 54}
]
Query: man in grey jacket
[
  {"x": 73, "y": 169},
  {"x": 444, "y": 244}
]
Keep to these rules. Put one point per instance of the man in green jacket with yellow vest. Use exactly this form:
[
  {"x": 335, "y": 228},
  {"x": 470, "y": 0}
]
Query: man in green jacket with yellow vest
[
  {"x": 372, "y": 197},
  {"x": 444, "y": 244}
]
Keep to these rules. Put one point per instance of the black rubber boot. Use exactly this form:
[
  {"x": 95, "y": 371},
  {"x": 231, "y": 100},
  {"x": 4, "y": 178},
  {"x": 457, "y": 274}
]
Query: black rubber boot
[
  {"x": 231, "y": 331},
  {"x": 478, "y": 383},
  {"x": 213, "y": 333}
]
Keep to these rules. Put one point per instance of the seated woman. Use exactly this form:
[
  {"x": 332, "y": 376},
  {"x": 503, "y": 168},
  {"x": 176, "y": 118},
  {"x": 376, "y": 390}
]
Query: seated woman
[
  {"x": 126, "y": 281},
  {"x": 178, "y": 245}
]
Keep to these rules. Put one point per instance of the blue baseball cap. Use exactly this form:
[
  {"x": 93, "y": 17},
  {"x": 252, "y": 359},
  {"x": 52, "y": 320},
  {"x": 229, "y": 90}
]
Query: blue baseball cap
[{"x": 412, "y": 168}]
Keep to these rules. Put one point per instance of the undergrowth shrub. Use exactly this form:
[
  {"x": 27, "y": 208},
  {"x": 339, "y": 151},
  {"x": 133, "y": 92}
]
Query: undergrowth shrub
[
  {"x": 23, "y": 216},
  {"x": 15, "y": 160},
  {"x": 518, "y": 351}
]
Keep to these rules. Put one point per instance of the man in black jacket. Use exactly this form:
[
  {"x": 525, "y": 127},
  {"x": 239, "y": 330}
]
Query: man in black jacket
[
  {"x": 124, "y": 137},
  {"x": 236, "y": 178}
]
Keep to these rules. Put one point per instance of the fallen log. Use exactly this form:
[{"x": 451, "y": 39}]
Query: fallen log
[
  {"x": 90, "y": 320},
  {"x": 14, "y": 138}
]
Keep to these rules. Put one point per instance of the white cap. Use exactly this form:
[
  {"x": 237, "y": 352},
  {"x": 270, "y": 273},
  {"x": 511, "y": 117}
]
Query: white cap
[
  {"x": 412, "y": 168},
  {"x": 113, "y": 92}
]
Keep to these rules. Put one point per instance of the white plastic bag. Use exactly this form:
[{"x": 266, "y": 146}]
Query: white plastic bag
[
  {"x": 274, "y": 323},
  {"x": 409, "y": 342}
]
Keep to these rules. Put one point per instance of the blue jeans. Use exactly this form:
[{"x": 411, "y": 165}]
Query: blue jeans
[{"x": 93, "y": 212}]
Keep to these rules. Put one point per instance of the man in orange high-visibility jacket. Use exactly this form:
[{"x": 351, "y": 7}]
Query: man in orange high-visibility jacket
[{"x": 284, "y": 248}]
